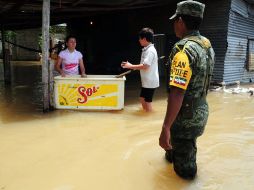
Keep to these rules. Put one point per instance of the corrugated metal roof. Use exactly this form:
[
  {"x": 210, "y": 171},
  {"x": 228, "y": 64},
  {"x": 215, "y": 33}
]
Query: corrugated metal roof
[{"x": 27, "y": 13}]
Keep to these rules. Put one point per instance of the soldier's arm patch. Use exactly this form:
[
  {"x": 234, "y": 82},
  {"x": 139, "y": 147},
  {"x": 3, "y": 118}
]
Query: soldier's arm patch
[{"x": 180, "y": 73}]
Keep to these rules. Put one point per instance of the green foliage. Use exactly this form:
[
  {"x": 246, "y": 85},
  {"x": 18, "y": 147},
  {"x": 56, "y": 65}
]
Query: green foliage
[
  {"x": 55, "y": 29},
  {"x": 40, "y": 40},
  {"x": 10, "y": 35}
]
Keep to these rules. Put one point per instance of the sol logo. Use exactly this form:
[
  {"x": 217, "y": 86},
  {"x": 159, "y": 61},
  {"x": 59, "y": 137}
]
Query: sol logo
[{"x": 85, "y": 92}]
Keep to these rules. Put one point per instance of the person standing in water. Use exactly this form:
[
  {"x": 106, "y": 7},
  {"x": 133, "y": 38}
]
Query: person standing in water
[
  {"x": 148, "y": 68},
  {"x": 70, "y": 61},
  {"x": 192, "y": 61}
]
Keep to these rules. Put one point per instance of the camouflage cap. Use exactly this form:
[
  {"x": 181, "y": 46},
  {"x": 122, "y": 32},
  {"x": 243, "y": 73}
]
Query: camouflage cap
[{"x": 189, "y": 7}]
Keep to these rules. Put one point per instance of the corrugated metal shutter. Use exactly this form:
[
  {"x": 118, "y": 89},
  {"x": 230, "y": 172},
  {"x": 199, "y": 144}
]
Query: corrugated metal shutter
[
  {"x": 251, "y": 55},
  {"x": 240, "y": 29},
  {"x": 240, "y": 7},
  {"x": 235, "y": 59},
  {"x": 214, "y": 27}
]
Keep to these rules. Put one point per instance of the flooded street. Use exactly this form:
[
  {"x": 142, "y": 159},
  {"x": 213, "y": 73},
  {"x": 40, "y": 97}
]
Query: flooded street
[{"x": 116, "y": 150}]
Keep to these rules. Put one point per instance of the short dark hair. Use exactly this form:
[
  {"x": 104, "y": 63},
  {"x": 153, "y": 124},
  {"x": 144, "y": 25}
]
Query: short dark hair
[
  {"x": 69, "y": 37},
  {"x": 146, "y": 33},
  {"x": 191, "y": 22}
]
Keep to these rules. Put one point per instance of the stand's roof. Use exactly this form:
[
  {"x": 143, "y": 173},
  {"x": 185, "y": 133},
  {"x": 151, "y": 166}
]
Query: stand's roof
[{"x": 15, "y": 14}]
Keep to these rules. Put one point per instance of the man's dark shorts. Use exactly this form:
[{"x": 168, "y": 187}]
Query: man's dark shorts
[{"x": 147, "y": 94}]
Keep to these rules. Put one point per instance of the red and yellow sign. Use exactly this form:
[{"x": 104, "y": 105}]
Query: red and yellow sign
[
  {"x": 87, "y": 95},
  {"x": 102, "y": 92}
]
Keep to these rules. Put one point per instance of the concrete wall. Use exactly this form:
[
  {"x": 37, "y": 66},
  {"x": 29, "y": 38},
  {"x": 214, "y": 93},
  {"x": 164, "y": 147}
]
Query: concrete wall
[
  {"x": 1, "y": 70},
  {"x": 28, "y": 38}
]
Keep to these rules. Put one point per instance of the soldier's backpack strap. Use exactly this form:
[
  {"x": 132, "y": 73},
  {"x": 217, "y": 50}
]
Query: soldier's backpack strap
[{"x": 205, "y": 44}]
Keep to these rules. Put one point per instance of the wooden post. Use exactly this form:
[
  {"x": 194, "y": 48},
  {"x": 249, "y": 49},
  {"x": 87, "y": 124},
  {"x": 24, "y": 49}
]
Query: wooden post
[
  {"x": 45, "y": 53},
  {"x": 6, "y": 60},
  {"x": 51, "y": 85}
]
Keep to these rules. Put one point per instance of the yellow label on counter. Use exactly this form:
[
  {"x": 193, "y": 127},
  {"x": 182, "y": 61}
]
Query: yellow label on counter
[{"x": 87, "y": 94}]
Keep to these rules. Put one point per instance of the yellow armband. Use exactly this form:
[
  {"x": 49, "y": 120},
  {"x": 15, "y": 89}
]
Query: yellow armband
[{"x": 180, "y": 73}]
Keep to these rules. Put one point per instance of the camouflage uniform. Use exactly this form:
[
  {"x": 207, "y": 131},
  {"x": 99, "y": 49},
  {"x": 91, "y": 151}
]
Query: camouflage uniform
[{"x": 196, "y": 61}]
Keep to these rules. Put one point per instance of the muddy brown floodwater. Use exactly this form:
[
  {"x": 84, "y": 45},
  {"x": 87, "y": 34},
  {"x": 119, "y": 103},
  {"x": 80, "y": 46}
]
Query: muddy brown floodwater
[{"x": 116, "y": 150}]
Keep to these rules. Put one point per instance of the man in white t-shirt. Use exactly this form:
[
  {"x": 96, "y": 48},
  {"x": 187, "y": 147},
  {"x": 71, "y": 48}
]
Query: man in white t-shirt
[
  {"x": 70, "y": 60},
  {"x": 148, "y": 68}
]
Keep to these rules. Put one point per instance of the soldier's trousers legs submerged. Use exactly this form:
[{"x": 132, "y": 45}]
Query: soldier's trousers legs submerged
[{"x": 184, "y": 157}]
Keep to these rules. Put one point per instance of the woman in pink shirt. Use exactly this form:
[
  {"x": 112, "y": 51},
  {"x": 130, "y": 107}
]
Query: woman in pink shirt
[{"x": 70, "y": 59}]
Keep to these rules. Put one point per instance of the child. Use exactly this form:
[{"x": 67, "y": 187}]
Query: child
[{"x": 148, "y": 68}]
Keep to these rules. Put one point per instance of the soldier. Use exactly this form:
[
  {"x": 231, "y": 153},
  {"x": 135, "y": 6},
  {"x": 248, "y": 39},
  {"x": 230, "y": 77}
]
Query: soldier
[{"x": 192, "y": 61}]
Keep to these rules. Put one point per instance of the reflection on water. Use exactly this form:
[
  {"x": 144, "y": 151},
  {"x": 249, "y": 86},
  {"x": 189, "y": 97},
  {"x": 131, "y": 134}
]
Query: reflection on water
[
  {"x": 23, "y": 98},
  {"x": 77, "y": 150}
]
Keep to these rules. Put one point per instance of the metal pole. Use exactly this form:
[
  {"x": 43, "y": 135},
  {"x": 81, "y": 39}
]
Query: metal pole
[{"x": 45, "y": 53}]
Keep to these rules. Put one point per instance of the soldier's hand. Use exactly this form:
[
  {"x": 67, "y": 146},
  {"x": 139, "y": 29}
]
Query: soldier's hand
[{"x": 164, "y": 139}]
